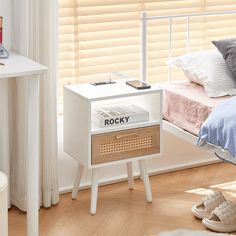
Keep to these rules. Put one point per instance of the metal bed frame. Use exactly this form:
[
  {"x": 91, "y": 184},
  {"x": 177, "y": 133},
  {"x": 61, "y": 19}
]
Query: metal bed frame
[{"x": 173, "y": 129}]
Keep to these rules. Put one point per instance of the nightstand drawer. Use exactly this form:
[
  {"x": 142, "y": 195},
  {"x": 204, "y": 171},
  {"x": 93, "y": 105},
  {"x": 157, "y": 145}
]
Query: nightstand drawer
[{"x": 125, "y": 144}]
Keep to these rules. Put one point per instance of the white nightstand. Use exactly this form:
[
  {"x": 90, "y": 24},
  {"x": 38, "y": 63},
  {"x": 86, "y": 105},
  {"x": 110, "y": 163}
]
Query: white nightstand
[{"x": 96, "y": 147}]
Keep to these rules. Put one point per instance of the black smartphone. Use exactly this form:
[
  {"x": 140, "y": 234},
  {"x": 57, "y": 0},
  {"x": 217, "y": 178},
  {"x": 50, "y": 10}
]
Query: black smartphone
[{"x": 138, "y": 84}]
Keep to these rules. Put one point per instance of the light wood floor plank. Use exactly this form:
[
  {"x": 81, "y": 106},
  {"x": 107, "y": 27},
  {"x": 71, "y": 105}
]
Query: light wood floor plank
[{"x": 125, "y": 212}]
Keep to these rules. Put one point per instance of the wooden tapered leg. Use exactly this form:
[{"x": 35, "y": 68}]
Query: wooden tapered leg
[
  {"x": 94, "y": 191},
  {"x": 146, "y": 181},
  {"x": 79, "y": 173},
  {"x": 130, "y": 175}
]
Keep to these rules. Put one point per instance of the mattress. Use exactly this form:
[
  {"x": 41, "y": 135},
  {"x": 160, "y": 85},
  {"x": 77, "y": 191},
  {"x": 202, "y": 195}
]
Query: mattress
[{"x": 186, "y": 105}]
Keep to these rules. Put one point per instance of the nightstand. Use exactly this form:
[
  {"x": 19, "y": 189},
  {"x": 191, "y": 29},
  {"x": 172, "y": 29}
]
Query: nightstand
[{"x": 94, "y": 147}]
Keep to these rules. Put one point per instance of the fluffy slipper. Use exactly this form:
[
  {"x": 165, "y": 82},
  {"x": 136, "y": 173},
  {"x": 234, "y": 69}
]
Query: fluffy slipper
[
  {"x": 223, "y": 218},
  {"x": 208, "y": 204}
]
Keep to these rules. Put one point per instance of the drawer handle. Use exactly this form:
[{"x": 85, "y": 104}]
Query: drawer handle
[{"x": 125, "y": 136}]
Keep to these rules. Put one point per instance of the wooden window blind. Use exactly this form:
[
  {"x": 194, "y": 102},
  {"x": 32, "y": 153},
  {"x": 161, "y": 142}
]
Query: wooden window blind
[{"x": 97, "y": 37}]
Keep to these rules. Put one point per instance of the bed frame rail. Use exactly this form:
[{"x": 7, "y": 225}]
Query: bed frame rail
[{"x": 145, "y": 18}]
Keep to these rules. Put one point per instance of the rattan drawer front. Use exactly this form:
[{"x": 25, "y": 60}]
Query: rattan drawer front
[{"x": 125, "y": 144}]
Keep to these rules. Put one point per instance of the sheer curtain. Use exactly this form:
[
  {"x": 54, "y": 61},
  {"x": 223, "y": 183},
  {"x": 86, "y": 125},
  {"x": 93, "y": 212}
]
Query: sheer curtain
[{"x": 34, "y": 36}]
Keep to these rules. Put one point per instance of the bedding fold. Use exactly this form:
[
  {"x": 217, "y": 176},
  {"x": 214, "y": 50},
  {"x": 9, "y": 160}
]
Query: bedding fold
[{"x": 219, "y": 129}]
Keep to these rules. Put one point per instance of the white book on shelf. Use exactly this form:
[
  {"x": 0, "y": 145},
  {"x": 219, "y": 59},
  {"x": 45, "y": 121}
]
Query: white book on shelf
[{"x": 118, "y": 114}]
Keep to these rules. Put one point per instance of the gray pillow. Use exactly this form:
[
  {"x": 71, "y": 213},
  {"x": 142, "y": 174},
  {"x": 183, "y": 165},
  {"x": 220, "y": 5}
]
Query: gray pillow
[{"x": 227, "y": 47}]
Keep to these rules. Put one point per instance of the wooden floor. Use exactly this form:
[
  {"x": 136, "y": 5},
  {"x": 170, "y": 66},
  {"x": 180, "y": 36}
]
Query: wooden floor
[{"x": 125, "y": 212}]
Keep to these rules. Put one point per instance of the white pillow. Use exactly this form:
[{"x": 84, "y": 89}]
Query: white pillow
[{"x": 208, "y": 68}]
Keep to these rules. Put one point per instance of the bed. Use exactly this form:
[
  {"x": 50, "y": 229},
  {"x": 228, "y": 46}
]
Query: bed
[
  {"x": 187, "y": 107},
  {"x": 182, "y": 99}
]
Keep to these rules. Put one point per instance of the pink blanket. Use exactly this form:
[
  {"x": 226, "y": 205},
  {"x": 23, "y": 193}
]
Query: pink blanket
[{"x": 186, "y": 105}]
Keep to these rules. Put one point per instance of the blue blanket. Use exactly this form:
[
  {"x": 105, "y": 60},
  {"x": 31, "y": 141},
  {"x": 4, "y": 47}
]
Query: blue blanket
[{"x": 219, "y": 129}]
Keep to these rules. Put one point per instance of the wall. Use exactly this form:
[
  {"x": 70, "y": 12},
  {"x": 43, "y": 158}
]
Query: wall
[
  {"x": 178, "y": 154},
  {"x": 5, "y": 11}
]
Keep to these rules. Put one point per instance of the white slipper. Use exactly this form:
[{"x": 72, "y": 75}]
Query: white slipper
[
  {"x": 223, "y": 218},
  {"x": 208, "y": 204}
]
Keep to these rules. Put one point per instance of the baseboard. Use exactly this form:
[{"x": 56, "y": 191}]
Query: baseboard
[
  {"x": 104, "y": 181},
  {"x": 156, "y": 171},
  {"x": 185, "y": 166}
]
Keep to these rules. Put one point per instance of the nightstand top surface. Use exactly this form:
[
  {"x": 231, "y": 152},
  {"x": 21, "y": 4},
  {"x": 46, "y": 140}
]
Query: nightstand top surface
[{"x": 109, "y": 91}]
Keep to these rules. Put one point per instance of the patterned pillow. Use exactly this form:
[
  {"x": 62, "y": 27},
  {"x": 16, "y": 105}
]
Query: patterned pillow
[{"x": 227, "y": 48}]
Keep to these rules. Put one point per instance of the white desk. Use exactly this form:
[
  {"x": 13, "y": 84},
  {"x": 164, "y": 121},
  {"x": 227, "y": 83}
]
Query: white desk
[{"x": 17, "y": 66}]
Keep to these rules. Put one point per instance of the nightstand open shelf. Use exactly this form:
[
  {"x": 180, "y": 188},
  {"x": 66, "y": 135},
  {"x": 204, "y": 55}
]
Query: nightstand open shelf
[{"x": 96, "y": 147}]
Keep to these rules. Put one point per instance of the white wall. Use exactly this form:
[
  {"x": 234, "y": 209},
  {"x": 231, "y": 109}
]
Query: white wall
[
  {"x": 178, "y": 154},
  {"x": 5, "y": 11}
]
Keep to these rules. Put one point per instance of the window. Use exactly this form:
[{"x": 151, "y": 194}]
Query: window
[{"x": 100, "y": 36}]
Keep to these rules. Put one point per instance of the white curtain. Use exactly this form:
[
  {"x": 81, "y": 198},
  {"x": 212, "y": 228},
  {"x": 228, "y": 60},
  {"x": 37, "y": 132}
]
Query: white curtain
[{"x": 34, "y": 36}]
